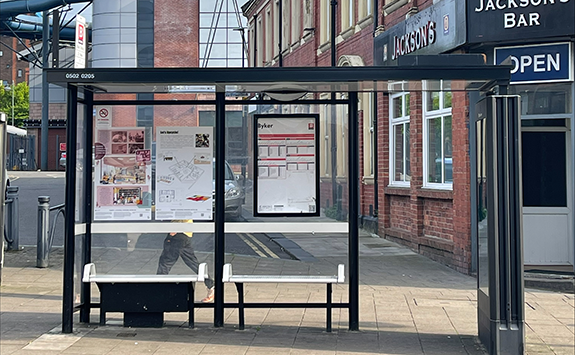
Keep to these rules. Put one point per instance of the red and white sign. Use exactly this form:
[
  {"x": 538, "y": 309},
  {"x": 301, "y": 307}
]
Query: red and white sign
[
  {"x": 80, "y": 50},
  {"x": 103, "y": 115},
  {"x": 62, "y": 147}
]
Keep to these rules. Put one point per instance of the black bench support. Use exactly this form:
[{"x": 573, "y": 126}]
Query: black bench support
[
  {"x": 240, "y": 288},
  {"x": 328, "y": 316}
]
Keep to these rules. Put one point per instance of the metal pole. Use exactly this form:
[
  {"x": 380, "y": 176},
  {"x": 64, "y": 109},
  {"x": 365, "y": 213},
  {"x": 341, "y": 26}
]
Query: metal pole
[
  {"x": 220, "y": 247},
  {"x": 280, "y": 33},
  {"x": 13, "y": 89},
  {"x": 42, "y": 246},
  {"x": 55, "y": 38},
  {"x": 2, "y": 185},
  {"x": 87, "y": 248},
  {"x": 353, "y": 185},
  {"x": 69, "y": 243},
  {"x": 333, "y": 126},
  {"x": 12, "y": 218},
  {"x": 45, "y": 92}
]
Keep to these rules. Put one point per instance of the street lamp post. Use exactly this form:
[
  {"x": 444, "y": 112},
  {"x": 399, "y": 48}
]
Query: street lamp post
[{"x": 13, "y": 102}]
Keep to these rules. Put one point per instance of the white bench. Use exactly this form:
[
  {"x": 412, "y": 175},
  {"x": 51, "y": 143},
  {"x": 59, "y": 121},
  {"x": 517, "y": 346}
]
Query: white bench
[
  {"x": 144, "y": 298},
  {"x": 239, "y": 281}
]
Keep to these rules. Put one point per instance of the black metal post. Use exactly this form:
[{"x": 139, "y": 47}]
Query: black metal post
[
  {"x": 256, "y": 41},
  {"x": 353, "y": 186},
  {"x": 87, "y": 247},
  {"x": 280, "y": 32},
  {"x": 55, "y": 38},
  {"x": 220, "y": 248},
  {"x": 70, "y": 200},
  {"x": 333, "y": 4},
  {"x": 45, "y": 92},
  {"x": 333, "y": 121}
]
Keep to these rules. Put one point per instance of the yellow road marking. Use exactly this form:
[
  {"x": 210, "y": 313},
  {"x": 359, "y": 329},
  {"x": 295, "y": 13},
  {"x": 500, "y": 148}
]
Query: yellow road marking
[
  {"x": 251, "y": 245},
  {"x": 263, "y": 246}
]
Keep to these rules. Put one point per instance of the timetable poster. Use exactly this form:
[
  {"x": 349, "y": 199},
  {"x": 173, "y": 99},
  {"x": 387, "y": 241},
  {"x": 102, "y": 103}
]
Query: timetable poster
[
  {"x": 123, "y": 174},
  {"x": 287, "y": 181},
  {"x": 184, "y": 173}
]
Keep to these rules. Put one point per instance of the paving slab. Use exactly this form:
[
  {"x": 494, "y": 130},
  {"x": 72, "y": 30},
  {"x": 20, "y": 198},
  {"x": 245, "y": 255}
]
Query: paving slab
[{"x": 408, "y": 305}]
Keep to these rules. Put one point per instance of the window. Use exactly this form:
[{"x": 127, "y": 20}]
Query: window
[
  {"x": 19, "y": 73},
  {"x": 399, "y": 113},
  {"x": 437, "y": 149},
  {"x": 220, "y": 34},
  {"x": 325, "y": 21},
  {"x": 295, "y": 21},
  {"x": 368, "y": 134},
  {"x": 325, "y": 142},
  {"x": 260, "y": 43},
  {"x": 286, "y": 21},
  {"x": 269, "y": 39},
  {"x": 347, "y": 14},
  {"x": 365, "y": 8}
]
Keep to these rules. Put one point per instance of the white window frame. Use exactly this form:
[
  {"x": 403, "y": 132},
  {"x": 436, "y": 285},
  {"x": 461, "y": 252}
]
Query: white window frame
[
  {"x": 295, "y": 14},
  {"x": 347, "y": 14},
  {"x": 427, "y": 116},
  {"x": 269, "y": 39},
  {"x": 365, "y": 8},
  {"x": 325, "y": 18},
  {"x": 260, "y": 43},
  {"x": 393, "y": 122},
  {"x": 368, "y": 134}
]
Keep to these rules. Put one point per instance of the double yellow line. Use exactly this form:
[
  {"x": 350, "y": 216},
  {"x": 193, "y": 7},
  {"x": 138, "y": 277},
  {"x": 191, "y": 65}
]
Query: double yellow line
[{"x": 254, "y": 243}]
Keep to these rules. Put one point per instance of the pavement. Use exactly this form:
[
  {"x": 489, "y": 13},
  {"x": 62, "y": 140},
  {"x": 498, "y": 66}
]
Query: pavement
[{"x": 408, "y": 305}]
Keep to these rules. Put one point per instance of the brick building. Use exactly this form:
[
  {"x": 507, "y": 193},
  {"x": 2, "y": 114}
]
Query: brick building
[
  {"x": 416, "y": 185},
  {"x": 12, "y": 68}
]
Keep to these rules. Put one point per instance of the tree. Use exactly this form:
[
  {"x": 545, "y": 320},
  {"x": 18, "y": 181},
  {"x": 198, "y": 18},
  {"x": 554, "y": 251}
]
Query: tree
[{"x": 21, "y": 102}]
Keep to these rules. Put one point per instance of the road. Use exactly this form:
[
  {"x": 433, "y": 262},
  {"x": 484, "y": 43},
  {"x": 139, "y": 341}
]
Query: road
[{"x": 34, "y": 184}]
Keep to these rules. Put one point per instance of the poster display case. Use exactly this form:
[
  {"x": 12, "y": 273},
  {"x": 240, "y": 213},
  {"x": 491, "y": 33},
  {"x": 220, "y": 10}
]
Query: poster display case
[
  {"x": 123, "y": 174},
  {"x": 184, "y": 173},
  {"x": 286, "y": 177}
]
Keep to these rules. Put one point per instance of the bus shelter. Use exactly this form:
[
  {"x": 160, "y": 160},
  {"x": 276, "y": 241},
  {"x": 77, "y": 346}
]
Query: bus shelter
[{"x": 138, "y": 137}]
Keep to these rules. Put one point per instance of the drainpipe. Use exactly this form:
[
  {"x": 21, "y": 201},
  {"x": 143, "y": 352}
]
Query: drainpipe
[
  {"x": 280, "y": 33},
  {"x": 256, "y": 40},
  {"x": 375, "y": 129},
  {"x": 333, "y": 130}
]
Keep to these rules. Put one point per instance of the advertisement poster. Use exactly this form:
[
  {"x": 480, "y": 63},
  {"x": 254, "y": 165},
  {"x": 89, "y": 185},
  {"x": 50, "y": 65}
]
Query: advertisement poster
[
  {"x": 184, "y": 173},
  {"x": 123, "y": 174},
  {"x": 287, "y": 181}
]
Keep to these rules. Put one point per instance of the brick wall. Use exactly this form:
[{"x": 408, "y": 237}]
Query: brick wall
[
  {"x": 176, "y": 33},
  {"x": 435, "y": 223}
]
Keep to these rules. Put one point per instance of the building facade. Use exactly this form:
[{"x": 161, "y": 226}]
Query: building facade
[{"x": 416, "y": 145}]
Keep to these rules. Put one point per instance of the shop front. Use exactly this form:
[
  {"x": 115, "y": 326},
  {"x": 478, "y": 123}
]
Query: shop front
[{"x": 537, "y": 40}]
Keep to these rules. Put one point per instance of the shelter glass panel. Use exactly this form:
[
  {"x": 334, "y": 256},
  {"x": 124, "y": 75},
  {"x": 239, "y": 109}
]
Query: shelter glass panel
[
  {"x": 82, "y": 151},
  {"x": 153, "y": 188}
]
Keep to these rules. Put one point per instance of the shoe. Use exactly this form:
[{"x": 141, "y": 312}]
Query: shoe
[{"x": 210, "y": 296}]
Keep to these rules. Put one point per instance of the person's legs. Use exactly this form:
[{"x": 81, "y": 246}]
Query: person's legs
[
  {"x": 189, "y": 257},
  {"x": 169, "y": 255}
]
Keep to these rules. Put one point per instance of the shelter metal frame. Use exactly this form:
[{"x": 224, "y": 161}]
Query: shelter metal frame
[{"x": 352, "y": 80}]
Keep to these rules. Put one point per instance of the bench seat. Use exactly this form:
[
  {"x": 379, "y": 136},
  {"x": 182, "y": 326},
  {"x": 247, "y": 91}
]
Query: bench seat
[
  {"x": 144, "y": 298},
  {"x": 239, "y": 281}
]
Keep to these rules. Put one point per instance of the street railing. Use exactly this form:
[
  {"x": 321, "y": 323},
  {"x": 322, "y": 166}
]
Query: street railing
[{"x": 45, "y": 230}]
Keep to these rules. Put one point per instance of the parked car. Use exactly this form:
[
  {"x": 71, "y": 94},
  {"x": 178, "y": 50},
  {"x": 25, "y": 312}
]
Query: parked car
[{"x": 234, "y": 194}]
